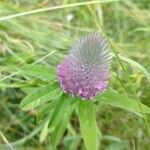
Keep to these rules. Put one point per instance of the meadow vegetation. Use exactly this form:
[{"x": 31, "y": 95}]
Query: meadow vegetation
[{"x": 33, "y": 44}]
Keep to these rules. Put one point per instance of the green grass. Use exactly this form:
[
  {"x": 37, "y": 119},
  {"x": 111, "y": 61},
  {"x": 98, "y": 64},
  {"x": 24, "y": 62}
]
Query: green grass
[{"x": 41, "y": 32}]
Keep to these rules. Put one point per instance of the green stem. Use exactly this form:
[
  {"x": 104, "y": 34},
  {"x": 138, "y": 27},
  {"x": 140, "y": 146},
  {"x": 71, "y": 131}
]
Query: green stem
[
  {"x": 139, "y": 104},
  {"x": 6, "y": 141},
  {"x": 54, "y": 8}
]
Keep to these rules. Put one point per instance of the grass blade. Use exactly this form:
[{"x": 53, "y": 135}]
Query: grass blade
[
  {"x": 54, "y": 8},
  {"x": 136, "y": 64}
]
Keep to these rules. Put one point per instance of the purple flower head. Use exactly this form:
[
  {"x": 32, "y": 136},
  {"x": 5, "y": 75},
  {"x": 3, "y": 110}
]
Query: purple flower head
[{"x": 85, "y": 70}]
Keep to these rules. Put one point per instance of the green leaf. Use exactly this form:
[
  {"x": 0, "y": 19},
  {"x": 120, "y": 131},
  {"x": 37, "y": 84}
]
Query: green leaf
[
  {"x": 113, "y": 98},
  {"x": 118, "y": 146},
  {"x": 60, "y": 128},
  {"x": 44, "y": 132},
  {"x": 63, "y": 104},
  {"x": 44, "y": 109},
  {"x": 39, "y": 71},
  {"x": 88, "y": 124},
  {"x": 72, "y": 142},
  {"x": 40, "y": 96},
  {"x": 136, "y": 64}
]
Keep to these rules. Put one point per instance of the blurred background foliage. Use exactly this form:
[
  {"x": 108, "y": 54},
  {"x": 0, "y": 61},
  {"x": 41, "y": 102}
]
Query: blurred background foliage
[{"x": 44, "y": 38}]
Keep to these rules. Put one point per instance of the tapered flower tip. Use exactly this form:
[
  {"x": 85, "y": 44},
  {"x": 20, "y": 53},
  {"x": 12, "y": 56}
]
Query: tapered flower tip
[{"x": 85, "y": 70}]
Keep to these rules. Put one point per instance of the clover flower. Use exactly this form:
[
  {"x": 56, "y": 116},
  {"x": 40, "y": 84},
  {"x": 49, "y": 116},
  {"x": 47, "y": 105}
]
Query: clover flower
[{"x": 85, "y": 70}]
